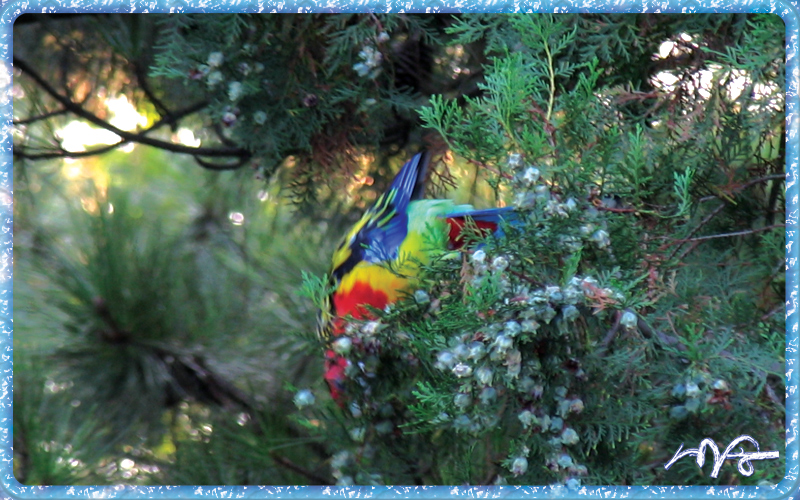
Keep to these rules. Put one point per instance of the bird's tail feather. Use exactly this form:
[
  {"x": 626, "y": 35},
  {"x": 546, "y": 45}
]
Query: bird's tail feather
[{"x": 410, "y": 181}]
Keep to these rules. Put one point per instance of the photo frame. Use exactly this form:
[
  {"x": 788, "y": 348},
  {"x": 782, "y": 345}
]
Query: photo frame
[{"x": 788, "y": 487}]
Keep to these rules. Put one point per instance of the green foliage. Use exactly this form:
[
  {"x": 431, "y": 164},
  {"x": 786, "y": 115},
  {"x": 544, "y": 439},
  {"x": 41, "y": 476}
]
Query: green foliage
[{"x": 632, "y": 305}]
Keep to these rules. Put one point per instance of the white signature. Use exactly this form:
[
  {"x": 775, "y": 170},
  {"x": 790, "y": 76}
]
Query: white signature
[{"x": 744, "y": 465}]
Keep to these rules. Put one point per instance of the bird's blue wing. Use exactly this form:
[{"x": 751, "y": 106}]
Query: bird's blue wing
[{"x": 381, "y": 230}]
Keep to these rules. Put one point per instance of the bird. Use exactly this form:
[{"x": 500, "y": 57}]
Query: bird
[{"x": 379, "y": 258}]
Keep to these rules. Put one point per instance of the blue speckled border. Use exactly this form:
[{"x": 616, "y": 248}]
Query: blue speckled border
[{"x": 787, "y": 488}]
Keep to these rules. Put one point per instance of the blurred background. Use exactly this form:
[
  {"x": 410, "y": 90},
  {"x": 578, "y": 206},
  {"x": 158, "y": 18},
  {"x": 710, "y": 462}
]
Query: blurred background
[{"x": 175, "y": 175}]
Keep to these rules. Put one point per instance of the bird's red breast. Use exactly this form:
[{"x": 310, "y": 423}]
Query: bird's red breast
[{"x": 354, "y": 302}]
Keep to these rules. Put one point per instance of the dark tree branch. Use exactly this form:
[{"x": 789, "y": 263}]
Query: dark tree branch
[
  {"x": 62, "y": 153},
  {"x": 220, "y": 166},
  {"x": 218, "y": 131},
  {"x": 163, "y": 110},
  {"x": 176, "y": 115},
  {"x": 140, "y": 138},
  {"x": 19, "y": 152}
]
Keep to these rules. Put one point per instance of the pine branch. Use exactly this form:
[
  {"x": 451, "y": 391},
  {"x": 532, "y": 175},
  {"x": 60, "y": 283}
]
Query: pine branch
[
  {"x": 19, "y": 152},
  {"x": 38, "y": 118},
  {"x": 140, "y": 137}
]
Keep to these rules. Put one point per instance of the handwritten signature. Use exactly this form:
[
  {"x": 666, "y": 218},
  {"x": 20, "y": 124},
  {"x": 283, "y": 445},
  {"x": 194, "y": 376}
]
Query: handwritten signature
[{"x": 744, "y": 465}]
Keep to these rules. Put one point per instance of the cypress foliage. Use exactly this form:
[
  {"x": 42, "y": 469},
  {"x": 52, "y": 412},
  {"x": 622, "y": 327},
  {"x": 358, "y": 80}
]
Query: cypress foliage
[{"x": 575, "y": 350}]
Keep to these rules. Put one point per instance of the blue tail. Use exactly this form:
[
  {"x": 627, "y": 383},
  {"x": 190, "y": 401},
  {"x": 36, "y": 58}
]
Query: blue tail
[{"x": 409, "y": 184}]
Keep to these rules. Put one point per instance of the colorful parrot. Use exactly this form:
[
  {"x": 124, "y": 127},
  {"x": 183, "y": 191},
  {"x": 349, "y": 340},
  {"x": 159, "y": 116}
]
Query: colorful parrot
[{"x": 379, "y": 257}]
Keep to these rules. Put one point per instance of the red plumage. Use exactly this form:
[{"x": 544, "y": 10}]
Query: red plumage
[
  {"x": 456, "y": 235},
  {"x": 354, "y": 301}
]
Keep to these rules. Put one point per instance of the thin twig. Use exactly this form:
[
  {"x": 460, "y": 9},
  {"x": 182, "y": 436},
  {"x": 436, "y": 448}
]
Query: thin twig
[
  {"x": 777, "y": 309},
  {"x": 728, "y": 235},
  {"x": 772, "y": 396},
  {"x": 688, "y": 250},
  {"x": 552, "y": 74},
  {"x": 525, "y": 277},
  {"x": 772, "y": 177},
  {"x": 38, "y": 118},
  {"x": 694, "y": 231},
  {"x": 490, "y": 169},
  {"x": 612, "y": 332},
  {"x": 665, "y": 339}
]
